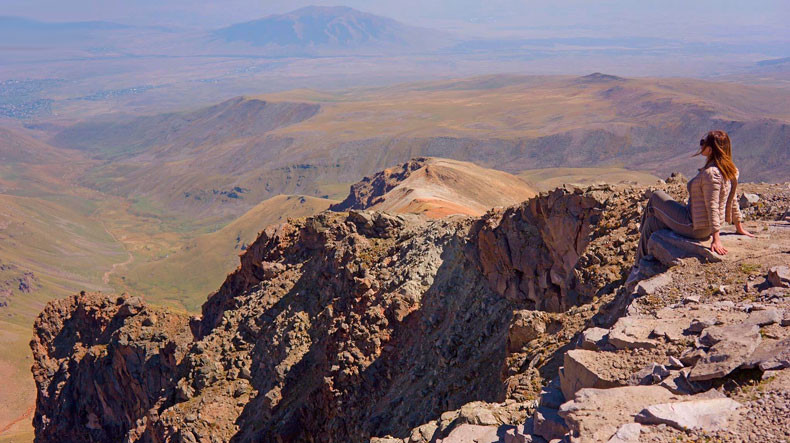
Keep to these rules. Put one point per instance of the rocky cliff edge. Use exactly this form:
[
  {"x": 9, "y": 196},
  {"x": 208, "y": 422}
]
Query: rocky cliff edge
[{"x": 359, "y": 325}]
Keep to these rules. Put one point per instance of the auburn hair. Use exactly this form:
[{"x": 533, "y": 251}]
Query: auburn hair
[{"x": 720, "y": 153}]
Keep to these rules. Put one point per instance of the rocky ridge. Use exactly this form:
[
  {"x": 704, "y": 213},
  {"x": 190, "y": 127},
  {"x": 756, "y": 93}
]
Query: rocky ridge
[
  {"x": 436, "y": 187},
  {"x": 358, "y": 325}
]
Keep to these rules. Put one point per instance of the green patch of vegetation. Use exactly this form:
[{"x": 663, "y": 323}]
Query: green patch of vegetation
[{"x": 750, "y": 268}]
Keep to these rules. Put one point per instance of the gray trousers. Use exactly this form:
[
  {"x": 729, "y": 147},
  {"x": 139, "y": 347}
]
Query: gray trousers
[{"x": 662, "y": 212}]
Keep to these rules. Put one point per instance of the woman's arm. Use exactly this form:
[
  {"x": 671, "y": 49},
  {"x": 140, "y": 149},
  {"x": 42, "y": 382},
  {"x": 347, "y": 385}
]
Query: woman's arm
[
  {"x": 716, "y": 245},
  {"x": 711, "y": 191},
  {"x": 733, "y": 210}
]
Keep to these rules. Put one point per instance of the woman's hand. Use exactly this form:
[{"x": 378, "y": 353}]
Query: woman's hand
[
  {"x": 716, "y": 245},
  {"x": 741, "y": 230}
]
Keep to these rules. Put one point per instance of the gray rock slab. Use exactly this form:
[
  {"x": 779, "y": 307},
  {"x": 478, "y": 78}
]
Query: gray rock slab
[
  {"x": 653, "y": 284},
  {"x": 585, "y": 369},
  {"x": 779, "y": 276},
  {"x": 765, "y": 317},
  {"x": 627, "y": 433},
  {"x": 669, "y": 248},
  {"x": 770, "y": 356},
  {"x": 467, "y": 433},
  {"x": 632, "y": 333},
  {"x": 593, "y": 339},
  {"x": 547, "y": 423},
  {"x": 731, "y": 346},
  {"x": 748, "y": 200},
  {"x": 597, "y": 414},
  {"x": 707, "y": 415}
]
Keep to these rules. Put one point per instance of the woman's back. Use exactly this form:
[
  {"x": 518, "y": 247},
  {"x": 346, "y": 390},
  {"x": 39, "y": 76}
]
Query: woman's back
[{"x": 710, "y": 202}]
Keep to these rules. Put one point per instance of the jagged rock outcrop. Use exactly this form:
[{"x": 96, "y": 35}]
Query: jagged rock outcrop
[
  {"x": 348, "y": 326},
  {"x": 436, "y": 187},
  {"x": 103, "y": 365},
  {"x": 351, "y": 325}
]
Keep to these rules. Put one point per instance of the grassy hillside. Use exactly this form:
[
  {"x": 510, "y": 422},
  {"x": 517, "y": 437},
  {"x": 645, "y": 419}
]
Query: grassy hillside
[
  {"x": 550, "y": 178},
  {"x": 48, "y": 249},
  {"x": 185, "y": 277},
  {"x": 226, "y": 164}
]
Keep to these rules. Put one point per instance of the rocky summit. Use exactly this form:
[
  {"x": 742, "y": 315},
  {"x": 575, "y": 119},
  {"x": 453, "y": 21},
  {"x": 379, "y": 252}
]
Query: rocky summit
[{"x": 515, "y": 326}]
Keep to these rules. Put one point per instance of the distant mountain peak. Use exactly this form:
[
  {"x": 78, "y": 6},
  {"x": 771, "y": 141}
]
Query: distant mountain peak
[
  {"x": 598, "y": 77},
  {"x": 332, "y": 27}
]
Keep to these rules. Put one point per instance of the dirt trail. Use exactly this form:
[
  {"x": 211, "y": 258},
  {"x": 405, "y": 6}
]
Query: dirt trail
[
  {"x": 129, "y": 260},
  {"x": 26, "y": 415}
]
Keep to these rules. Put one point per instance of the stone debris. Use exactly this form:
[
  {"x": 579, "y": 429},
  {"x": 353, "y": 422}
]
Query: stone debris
[
  {"x": 632, "y": 333},
  {"x": 779, "y": 276},
  {"x": 581, "y": 370},
  {"x": 596, "y": 414},
  {"x": 747, "y": 200},
  {"x": 649, "y": 375},
  {"x": 519, "y": 434},
  {"x": 731, "y": 346},
  {"x": 525, "y": 327},
  {"x": 771, "y": 356},
  {"x": 472, "y": 434},
  {"x": 653, "y": 284},
  {"x": 594, "y": 339},
  {"x": 627, "y": 433},
  {"x": 548, "y": 424},
  {"x": 707, "y": 415}
]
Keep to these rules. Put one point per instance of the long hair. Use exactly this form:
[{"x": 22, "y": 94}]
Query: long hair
[{"x": 720, "y": 153}]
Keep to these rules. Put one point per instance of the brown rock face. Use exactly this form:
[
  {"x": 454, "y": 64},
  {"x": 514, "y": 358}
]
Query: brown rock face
[
  {"x": 102, "y": 365},
  {"x": 340, "y": 327}
]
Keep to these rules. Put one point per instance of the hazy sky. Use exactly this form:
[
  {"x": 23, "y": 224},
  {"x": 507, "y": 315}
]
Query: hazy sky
[{"x": 690, "y": 19}]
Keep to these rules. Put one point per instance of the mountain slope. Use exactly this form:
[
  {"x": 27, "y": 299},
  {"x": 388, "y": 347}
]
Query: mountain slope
[
  {"x": 210, "y": 257},
  {"x": 436, "y": 187},
  {"x": 508, "y": 123},
  {"x": 331, "y": 28}
]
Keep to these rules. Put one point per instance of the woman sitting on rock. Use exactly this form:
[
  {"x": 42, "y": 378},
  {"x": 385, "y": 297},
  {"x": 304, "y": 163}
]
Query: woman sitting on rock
[{"x": 711, "y": 200}]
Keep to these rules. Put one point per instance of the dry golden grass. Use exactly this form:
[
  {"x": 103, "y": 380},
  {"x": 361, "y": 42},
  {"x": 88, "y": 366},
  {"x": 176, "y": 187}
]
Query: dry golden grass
[{"x": 184, "y": 277}]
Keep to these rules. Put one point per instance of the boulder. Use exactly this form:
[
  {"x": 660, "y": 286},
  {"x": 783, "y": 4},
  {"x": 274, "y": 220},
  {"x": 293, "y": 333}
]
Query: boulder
[
  {"x": 596, "y": 414},
  {"x": 627, "y": 433},
  {"x": 707, "y": 415},
  {"x": 698, "y": 325},
  {"x": 632, "y": 333},
  {"x": 764, "y": 317},
  {"x": 551, "y": 395},
  {"x": 519, "y": 434},
  {"x": 731, "y": 346},
  {"x": 771, "y": 356},
  {"x": 548, "y": 424},
  {"x": 653, "y": 284},
  {"x": 525, "y": 327},
  {"x": 649, "y": 375},
  {"x": 669, "y": 248},
  {"x": 747, "y": 200},
  {"x": 586, "y": 369},
  {"x": 779, "y": 276},
  {"x": 592, "y": 339},
  {"x": 467, "y": 433}
]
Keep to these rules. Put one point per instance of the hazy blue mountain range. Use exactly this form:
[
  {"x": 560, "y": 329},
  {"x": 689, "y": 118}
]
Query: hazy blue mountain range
[{"x": 331, "y": 27}]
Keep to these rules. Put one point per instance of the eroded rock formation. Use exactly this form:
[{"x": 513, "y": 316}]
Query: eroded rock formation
[{"x": 349, "y": 326}]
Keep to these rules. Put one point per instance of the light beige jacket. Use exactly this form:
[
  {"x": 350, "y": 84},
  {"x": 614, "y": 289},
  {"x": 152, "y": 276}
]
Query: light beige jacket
[{"x": 712, "y": 199}]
